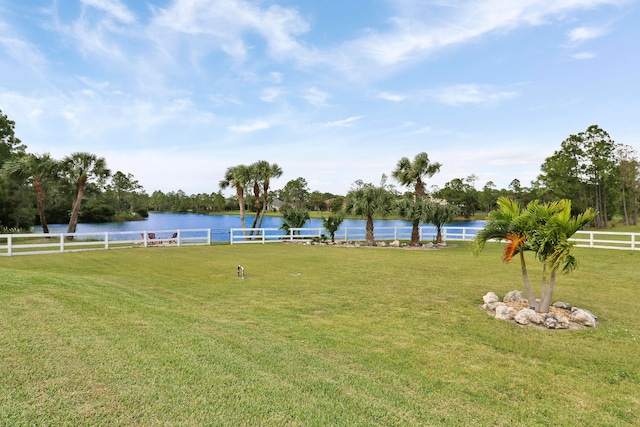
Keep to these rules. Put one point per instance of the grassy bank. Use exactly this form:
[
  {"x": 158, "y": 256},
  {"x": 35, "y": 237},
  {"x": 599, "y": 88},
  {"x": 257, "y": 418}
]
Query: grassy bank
[{"x": 313, "y": 336}]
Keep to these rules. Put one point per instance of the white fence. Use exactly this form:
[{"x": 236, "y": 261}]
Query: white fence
[
  {"x": 585, "y": 239},
  {"x": 272, "y": 235},
  {"x": 40, "y": 243},
  {"x": 28, "y": 244}
]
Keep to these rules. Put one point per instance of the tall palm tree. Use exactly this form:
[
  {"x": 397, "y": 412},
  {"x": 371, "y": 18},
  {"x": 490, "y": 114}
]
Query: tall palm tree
[
  {"x": 367, "y": 200},
  {"x": 507, "y": 222},
  {"x": 81, "y": 167},
  {"x": 36, "y": 168},
  {"x": 412, "y": 174},
  {"x": 237, "y": 177},
  {"x": 261, "y": 174}
]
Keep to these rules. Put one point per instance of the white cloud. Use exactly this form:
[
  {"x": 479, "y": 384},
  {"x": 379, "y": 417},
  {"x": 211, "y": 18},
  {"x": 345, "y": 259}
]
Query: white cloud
[
  {"x": 585, "y": 33},
  {"x": 270, "y": 94},
  {"x": 225, "y": 22},
  {"x": 418, "y": 30},
  {"x": 584, "y": 55},
  {"x": 114, "y": 8},
  {"x": 470, "y": 94},
  {"x": 391, "y": 96},
  {"x": 315, "y": 96},
  {"x": 251, "y": 127},
  {"x": 344, "y": 122}
]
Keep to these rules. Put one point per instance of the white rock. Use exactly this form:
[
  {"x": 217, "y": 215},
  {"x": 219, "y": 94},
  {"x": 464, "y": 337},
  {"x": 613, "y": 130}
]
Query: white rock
[
  {"x": 490, "y": 297},
  {"x": 515, "y": 296},
  {"x": 504, "y": 312},
  {"x": 526, "y": 316}
]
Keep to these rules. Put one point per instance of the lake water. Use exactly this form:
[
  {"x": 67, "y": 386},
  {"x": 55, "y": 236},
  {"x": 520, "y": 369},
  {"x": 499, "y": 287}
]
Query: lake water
[{"x": 218, "y": 224}]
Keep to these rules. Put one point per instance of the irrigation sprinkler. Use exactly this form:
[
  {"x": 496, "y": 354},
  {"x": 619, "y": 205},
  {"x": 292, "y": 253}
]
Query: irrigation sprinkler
[{"x": 240, "y": 272}]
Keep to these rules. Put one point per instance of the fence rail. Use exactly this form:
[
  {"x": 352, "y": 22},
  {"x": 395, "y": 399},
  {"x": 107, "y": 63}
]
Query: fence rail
[
  {"x": 42, "y": 243},
  {"x": 29, "y": 244}
]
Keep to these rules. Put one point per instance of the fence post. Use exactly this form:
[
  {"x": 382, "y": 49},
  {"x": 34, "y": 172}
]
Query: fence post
[
  {"x": 633, "y": 241},
  {"x": 9, "y": 243},
  {"x": 208, "y": 237},
  {"x": 591, "y": 239},
  {"x": 106, "y": 240},
  {"x": 62, "y": 242},
  {"x": 263, "y": 235}
]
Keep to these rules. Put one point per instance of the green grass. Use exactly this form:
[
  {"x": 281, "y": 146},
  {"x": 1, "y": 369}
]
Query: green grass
[{"x": 314, "y": 336}]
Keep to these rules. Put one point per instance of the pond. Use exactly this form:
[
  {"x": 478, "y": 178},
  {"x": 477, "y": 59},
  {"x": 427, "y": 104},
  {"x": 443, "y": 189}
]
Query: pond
[{"x": 218, "y": 224}]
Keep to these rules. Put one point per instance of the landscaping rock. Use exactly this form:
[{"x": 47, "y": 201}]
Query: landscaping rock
[
  {"x": 504, "y": 312},
  {"x": 492, "y": 306},
  {"x": 490, "y": 297},
  {"x": 395, "y": 244},
  {"x": 526, "y": 316},
  {"x": 552, "y": 321},
  {"x": 515, "y": 296},
  {"x": 584, "y": 317},
  {"x": 563, "y": 305}
]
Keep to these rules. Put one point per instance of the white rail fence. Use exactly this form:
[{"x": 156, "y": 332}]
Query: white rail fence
[
  {"x": 585, "y": 239},
  {"x": 29, "y": 244},
  {"x": 40, "y": 243},
  {"x": 273, "y": 235}
]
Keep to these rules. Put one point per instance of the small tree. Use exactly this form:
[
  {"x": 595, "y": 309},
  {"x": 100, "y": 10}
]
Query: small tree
[
  {"x": 294, "y": 218},
  {"x": 331, "y": 224},
  {"x": 439, "y": 215}
]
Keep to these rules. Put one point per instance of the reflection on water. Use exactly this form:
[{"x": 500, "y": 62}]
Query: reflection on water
[{"x": 218, "y": 224}]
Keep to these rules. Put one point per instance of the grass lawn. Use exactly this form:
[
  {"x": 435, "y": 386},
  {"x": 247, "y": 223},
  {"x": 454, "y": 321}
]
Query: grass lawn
[{"x": 314, "y": 336}]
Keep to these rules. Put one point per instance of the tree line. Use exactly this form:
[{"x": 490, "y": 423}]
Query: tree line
[{"x": 589, "y": 169}]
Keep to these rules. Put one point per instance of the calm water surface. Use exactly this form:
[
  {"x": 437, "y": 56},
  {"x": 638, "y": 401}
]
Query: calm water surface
[{"x": 218, "y": 224}]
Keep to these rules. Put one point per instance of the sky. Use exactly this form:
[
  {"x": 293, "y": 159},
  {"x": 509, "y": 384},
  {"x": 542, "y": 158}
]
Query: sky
[{"x": 176, "y": 91}]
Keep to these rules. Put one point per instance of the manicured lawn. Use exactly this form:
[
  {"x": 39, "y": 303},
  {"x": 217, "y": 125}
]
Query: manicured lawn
[{"x": 314, "y": 336}]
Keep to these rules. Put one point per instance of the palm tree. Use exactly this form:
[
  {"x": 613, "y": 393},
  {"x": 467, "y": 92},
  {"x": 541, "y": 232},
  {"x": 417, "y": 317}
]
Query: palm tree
[
  {"x": 439, "y": 215},
  {"x": 506, "y": 222},
  {"x": 237, "y": 177},
  {"x": 551, "y": 241},
  {"x": 367, "y": 200},
  {"x": 294, "y": 218},
  {"x": 261, "y": 174},
  {"x": 81, "y": 167},
  {"x": 412, "y": 173},
  {"x": 35, "y": 167}
]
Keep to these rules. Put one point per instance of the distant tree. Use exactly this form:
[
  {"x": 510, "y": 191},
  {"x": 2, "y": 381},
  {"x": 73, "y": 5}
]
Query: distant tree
[
  {"x": 462, "y": 193},
  {"x": 123, "y": 187},
  {"x": 9, "y": 143},
  {"x": 35, "y": 168},
  {"x": 629, "y": 183},
  {"x": 412, "y": 174},
  {"x": 81, "y": 167},
  {"x": 295, "y": 193}
]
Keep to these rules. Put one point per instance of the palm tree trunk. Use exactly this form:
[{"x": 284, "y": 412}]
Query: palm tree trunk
[
  {"x": 545, "y": 302},
  {"x": 415, "y": 233},
  {"x": 75, "y": 210},
  {"x": 527, "y": 285},
  {"x": 369, "y": 234},
  {"x": 37, "y": 185},
  {"x": 240, "y": 194},
  {"x": 439, "y": 234}
]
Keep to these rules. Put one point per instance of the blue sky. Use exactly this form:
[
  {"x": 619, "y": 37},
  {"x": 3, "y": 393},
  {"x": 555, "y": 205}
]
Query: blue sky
[{"x": 176, "y": 91}]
